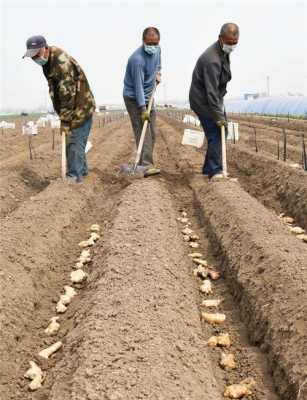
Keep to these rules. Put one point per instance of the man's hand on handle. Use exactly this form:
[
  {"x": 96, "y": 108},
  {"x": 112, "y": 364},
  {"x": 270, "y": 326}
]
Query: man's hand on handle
[
  {"x": 145, "y": 116},
  {"x": 158, "y": 78},
  {"x": 65, "y": 128},
  {"x": 221, "y": 123}
]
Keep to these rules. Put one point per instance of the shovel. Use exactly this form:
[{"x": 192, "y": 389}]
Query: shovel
[
  {"x": 224, "y": 160},
  {"x": 63, "y": 156}
]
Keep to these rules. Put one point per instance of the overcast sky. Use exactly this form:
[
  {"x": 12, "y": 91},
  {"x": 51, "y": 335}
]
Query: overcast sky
[{"x": 102, "y": 34}]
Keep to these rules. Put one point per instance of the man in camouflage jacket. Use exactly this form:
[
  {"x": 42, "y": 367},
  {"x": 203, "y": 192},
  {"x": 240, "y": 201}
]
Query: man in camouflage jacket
[{"x": 72, "y": 100}]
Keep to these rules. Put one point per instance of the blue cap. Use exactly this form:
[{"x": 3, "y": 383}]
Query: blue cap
[{"x": 34, "y": 44}]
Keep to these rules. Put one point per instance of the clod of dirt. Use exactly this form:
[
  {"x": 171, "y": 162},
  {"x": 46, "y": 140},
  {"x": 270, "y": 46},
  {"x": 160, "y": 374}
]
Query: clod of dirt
[
  {"x": 213, "y": 319},
  {"x": 227, "y": 361},
  {"x": 53, "y": 326},
  {"x": 222, "y": 340},
  {"x": 36, "y": 375},
  {"x": 287, "y": 220},
  {"x": 240, "y": 390},
  {"x": 184, "y": 214},
  {"x": 214, "y": 275},
  {"x": 78, "y": 276},
  {"x": 297, "y": 230},
  {"x": 195, "y": 255},
  {"x": 186, "y": 238},
  {"x": 200, "y": 261},
  {"x": 206, "y": 287},
  {"x": 187, "y": 231},
  {"x": 46, "y": 353},
  {"x": 211, "y": 303},
  {"x": 194, "y": 245},
  {"x": 200, "y": 271},
  {"x": 95, "y": 228}
]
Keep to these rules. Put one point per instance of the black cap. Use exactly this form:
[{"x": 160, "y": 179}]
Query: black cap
[{"x": 34, "y": 44}]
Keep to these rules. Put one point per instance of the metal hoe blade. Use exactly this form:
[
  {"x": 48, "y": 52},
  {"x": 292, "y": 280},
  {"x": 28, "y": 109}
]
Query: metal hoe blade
[{"x": 132, "y": 169}]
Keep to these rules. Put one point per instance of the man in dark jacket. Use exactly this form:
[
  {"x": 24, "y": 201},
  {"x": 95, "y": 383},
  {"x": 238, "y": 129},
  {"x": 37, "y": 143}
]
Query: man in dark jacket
[
  {"x": 72, "y": 99},
  {"x": 210, "y": 77}
]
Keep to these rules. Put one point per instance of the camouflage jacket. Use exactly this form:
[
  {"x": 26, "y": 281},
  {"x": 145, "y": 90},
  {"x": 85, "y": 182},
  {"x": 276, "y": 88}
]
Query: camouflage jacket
[{"x": 69, "y": 89}]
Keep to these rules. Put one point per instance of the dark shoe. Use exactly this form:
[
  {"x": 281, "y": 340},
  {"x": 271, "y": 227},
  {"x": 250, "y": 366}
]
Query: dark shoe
[{"x": 73, "y": 179}]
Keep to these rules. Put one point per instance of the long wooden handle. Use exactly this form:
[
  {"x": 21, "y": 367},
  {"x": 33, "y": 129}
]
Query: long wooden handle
[
  {"x": 140, "y": 146},
  {"x": 224, "y": 159},
  {"x": 63, "y": 156}
]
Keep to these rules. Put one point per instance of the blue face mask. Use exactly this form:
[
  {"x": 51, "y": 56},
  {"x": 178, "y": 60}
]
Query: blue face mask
[
  {"x": 151, "y": 49},
  {"x": 41, "y": 61}
]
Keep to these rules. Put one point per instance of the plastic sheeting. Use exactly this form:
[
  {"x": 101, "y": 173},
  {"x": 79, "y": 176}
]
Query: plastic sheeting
[
  {"x": 291, "y": 105},
  {"x": 189, "y": 119},
  {"x": 7, "y": 125}
]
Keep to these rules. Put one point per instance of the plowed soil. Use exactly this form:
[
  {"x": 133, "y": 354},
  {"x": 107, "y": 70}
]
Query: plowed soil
[{"x": 134, "y": 330}]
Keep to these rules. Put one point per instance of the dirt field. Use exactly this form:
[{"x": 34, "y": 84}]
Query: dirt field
[
  {"x": 262, "y": 135},
  {"x": 275, "y": 183},
  {"x": 135, "y": 329},
  {"x": 278, "y": 122}
]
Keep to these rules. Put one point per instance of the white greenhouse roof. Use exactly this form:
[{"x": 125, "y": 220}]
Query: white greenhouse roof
[{"x": 292, "y": 105}]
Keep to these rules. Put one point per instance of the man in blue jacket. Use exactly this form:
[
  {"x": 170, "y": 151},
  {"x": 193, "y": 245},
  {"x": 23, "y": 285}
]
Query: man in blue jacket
[
  {"x": 209, "y": 81},
  {"x": 142, "y": 72}
]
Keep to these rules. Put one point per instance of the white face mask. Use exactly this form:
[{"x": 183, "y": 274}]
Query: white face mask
[{"x": 228, "y": 48}]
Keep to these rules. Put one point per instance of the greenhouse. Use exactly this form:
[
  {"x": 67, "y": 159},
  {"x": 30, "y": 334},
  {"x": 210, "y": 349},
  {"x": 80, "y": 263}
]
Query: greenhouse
[{"x": 286, "y": 105}]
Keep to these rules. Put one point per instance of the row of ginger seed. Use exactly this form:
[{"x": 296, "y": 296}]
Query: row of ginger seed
[
  {"x": 207, "y": 274},
  {"x": 296, "y": 230},
  {"x": 77, "y": 277}
]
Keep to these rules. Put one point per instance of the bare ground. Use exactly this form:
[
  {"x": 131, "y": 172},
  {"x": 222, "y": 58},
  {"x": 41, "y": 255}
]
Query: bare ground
[{"x": 134, "y": 329}]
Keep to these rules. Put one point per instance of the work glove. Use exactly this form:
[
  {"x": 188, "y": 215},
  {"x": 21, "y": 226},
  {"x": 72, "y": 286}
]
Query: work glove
[
  {"x": 65, "y": 128},
  {"x": 221, "y": 123},
  {"x": 145, "y": 116}
]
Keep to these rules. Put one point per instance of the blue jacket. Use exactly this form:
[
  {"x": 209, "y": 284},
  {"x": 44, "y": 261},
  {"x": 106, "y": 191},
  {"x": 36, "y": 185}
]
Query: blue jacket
[{"x": 140, "y": 75}]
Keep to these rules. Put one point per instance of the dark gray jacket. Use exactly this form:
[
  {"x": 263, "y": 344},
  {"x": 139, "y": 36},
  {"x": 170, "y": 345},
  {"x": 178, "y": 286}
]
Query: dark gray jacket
[{"x": 209, "y": 81}]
